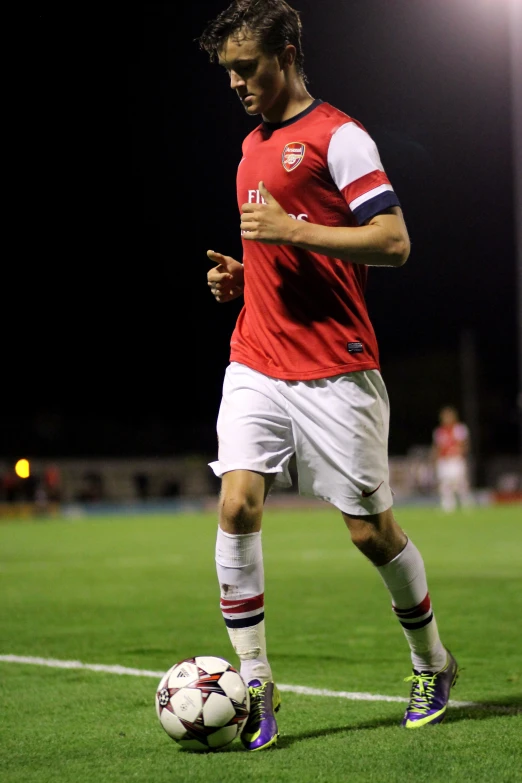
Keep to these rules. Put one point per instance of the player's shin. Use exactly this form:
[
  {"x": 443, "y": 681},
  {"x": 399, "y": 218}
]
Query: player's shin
[
  {"x": 239, "y": 564},
  {"x": 405, "y": 578}
]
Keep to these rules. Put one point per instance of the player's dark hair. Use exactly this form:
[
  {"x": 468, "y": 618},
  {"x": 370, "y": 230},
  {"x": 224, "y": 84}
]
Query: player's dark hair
[{"x": 272, "y": 23}]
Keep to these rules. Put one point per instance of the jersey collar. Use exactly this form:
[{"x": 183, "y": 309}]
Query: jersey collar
[{"x": 275, "y": 125}]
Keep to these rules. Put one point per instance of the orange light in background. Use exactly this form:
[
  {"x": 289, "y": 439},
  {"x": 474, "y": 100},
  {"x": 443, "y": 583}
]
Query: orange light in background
[{"x": 22, "y": 468}]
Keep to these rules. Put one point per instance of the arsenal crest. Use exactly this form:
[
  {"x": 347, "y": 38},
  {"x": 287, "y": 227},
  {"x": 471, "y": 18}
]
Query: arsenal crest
[{"x": 293, "y": 154}]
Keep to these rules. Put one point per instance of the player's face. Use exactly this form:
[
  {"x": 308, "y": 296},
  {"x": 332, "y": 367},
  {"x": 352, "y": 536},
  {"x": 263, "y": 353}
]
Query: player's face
[
  {"x": 448, "y": 416},
  {"x": 256, "y": 77}
]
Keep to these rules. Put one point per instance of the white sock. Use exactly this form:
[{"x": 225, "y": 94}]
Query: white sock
[
  {"x": 405, "y": 578},
  {"x": 239, "y": 565}
]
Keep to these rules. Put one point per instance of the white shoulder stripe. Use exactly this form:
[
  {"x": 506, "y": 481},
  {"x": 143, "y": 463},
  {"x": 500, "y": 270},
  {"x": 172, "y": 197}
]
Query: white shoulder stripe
[
  {"x": 367, "y": 196},
  {"x": 352, "y": 153}
]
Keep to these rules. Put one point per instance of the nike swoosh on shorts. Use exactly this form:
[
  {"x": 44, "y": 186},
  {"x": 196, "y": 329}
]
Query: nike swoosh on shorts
[{"x": 367, "y": 494}]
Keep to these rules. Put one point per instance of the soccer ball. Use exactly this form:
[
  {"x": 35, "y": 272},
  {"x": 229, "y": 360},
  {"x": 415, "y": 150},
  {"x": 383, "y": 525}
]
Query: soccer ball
[{"x": 202, "y": 703}]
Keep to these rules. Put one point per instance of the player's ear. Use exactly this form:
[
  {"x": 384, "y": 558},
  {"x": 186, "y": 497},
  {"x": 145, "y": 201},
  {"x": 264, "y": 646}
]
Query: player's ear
[{"x": 287, "y": 57}]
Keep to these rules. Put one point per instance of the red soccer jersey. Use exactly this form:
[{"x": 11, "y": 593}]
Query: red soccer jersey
[
  {"x": 449, "y": 440},
  {"x": 304, "y": 315}
]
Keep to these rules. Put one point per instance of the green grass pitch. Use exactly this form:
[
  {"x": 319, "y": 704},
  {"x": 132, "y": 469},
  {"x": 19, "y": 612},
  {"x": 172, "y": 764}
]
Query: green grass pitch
[{"x": 141, "y": 592}]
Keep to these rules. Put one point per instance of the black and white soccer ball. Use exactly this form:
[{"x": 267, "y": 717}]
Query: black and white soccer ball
[{"x": 203, "y": 703}]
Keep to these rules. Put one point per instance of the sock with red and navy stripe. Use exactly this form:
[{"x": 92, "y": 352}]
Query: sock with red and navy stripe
[
  {"x": 405, "y": 578},
  {"x": 239, "y": 565}
]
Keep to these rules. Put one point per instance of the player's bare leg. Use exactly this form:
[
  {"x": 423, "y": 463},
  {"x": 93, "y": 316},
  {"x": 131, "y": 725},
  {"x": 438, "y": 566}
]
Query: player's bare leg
[
  {"x": 464, "y": 493},
  {"x": 239, "y": 563},
  {"x": 378, "y": 536},
  {"x": 401, "y": 567},
  {"x": 448, "y": 497}
]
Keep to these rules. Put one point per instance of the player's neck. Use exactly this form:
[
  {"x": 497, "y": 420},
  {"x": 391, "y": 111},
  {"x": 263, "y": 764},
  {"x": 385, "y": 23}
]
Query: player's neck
[{"x": 290, "y": 103}]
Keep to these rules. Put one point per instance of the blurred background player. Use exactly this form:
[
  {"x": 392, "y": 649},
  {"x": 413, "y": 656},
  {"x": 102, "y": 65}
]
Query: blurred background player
[{"x": 451, "y": 446}]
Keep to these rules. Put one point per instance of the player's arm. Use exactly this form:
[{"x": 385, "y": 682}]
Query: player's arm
[
  {"x": 434, "y": 450},
  {"x": 382, "y": 241},
  {"x": 465, "y": 445}
]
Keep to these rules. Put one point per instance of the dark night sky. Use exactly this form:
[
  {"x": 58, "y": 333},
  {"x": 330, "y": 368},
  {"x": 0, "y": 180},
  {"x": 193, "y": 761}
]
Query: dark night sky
[{"x": 127, "y": 150}]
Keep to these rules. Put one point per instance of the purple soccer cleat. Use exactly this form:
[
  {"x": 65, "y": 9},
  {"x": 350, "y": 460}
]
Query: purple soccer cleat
[
  {"x": 430, "y": 695},
  {"x": 261, "y": 730}
]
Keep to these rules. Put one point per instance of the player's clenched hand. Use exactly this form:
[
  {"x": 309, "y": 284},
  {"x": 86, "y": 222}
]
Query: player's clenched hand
[
  {"x": 226, "y": 280},
  {"x": 268, "y": 222}
]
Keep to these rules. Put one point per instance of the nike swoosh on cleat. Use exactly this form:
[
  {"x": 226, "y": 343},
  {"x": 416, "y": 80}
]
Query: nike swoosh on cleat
[
  {"x": 367, "y": 494},
  {"x": 416, "y": 724},
  {"x": 252, "y": 737}
]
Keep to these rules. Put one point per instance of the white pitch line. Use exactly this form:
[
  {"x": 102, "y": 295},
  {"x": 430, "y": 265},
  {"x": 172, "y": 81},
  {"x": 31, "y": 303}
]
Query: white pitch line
[
  {"x": 299, "y": 689},
  {"x": 95, "y": 667}
]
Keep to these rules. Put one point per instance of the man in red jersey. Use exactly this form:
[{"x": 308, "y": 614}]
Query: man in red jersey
[
  {"x": 317, "y": 209},
  {"x": 450, "y": 452}
]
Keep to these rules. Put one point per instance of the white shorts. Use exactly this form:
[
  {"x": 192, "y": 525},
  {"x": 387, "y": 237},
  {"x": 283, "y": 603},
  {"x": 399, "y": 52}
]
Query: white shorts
[
  {"x": 336, "y": 427},
  {"x": 452, "y": 471}
]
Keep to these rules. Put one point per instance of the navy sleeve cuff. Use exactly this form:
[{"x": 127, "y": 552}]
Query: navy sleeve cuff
[{"x": 375, "y": 205}]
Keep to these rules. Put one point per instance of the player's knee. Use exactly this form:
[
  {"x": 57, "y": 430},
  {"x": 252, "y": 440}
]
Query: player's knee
[
  {"x": 363, "y": 536},
  {"x": 362, "y": 532},
  {"x": 379, "y": 538},
  {"x": 240, "y": 513}
]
